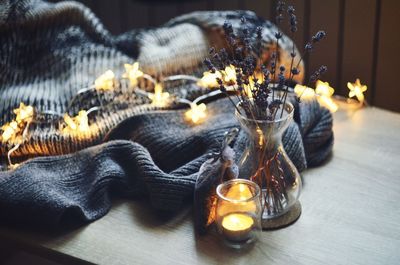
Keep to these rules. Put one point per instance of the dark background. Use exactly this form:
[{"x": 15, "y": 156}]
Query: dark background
[{"x": 363, "y": 35}]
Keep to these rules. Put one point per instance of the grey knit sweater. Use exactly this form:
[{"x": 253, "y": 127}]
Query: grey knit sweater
[{"x": 48, "y": 52}]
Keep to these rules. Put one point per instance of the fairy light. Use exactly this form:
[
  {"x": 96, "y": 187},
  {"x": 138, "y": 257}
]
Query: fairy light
[
  {"x": 10, "y": 131},
  {"x": 209, "y": 79},
  {"x": 24, "y": 113},
  {"x": 159, "y": 98},
  {"x": 304, "y": 92},
  {"x": 357, "y": 90},
  {"x": 78, "y": 124},
  {"x": 197, "y": 113},
  {"x": 230, "y": 74},
  {"x": 105, "y": 81},
  {"x": 132, "y": 73},
  {"x": 325, "y": 92}
]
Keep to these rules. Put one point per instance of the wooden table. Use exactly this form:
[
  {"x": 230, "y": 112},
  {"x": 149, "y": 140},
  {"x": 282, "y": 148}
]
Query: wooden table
[{"x": 351, "y": 214}]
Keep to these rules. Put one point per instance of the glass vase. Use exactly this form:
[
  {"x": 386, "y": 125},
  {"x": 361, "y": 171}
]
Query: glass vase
[{"x": 265, "y": 162}]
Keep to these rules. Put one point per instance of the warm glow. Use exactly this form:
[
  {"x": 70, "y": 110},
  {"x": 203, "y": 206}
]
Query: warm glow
[
  {"x": 237, "y": 222},
  {"x": 105, "y": 81},
  {"x": 24, "y": 113},
  {"x": 328, "y": 103},
  {"x": 159, "y": 98},
  {"x": 325, "y": 92},
  {"x": 197, "y": 113},
  {"x": 209, "y": 79},
  {"x": 132, "y": 73},
  {"x": 304, "y": 92},
  {"x": 77, "y": 124},
  {"x": 239, "y": 192},
  {"x": 357, "y": 90},
  {"x": 10, "y": 130},
  {"x": 324, "y": 89},
  {"x": 230, "y": 74}
]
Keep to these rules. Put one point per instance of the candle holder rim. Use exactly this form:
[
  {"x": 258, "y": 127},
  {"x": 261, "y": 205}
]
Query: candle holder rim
[
  {"x": 288, "y": 116},
  {"x": 243, "y": 181}
]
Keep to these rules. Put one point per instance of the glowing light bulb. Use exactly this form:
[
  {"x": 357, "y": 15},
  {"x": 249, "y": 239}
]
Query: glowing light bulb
[
  {"x": 304, "y": 92},
  {"x": 78, "y": 124},
  {"x": 325, "y": 92},
  {"x": 10, "y": 130},
  {"x": 159, "y": 98},
  {"x": 230, "y": 74},
  {"x": 197, "y": 113},
  {"x": 24, "y": 113},
  {"x": 132, "y": 73},
  {"x": 209, "y": 79},
  {"x": 105, "y": 81},
  {"x": 324, "y": 89},
  {"x": 357, "y": 90}
]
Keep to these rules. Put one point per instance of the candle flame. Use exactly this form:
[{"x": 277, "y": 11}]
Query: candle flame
[
  {"x": 197, "y": 113},
  {"x": 105, "y": 81},
  {"x": 159, "y": 98},
  {"x": 357, "y": 90},
  {"x": 132, "y": 73}
]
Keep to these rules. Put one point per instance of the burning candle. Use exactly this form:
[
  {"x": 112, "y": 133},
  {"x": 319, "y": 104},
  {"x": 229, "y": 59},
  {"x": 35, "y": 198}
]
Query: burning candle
[
  {"x": 238, "y": 212},
  {"x": 237, "y": 227}
]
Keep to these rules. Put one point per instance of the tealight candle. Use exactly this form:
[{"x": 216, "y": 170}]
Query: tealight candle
[
  {"x": 237, "y": 227},
  {"x": 238, "y": 212}
]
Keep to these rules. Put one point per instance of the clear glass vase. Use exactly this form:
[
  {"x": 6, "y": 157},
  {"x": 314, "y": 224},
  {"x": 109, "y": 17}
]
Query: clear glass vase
[{"x": 265, "y": 162}]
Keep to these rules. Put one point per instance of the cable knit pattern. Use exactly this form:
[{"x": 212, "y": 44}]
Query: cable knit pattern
[{"x": 49, "y": 51}]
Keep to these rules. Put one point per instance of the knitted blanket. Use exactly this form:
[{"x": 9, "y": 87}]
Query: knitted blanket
[{"x": 49, "y": 51}]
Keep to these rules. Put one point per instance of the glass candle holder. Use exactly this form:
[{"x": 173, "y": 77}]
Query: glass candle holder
[{"x": 238, "y": 212}]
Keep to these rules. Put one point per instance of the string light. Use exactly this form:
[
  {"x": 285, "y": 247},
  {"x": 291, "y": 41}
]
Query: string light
[
  {"x": 325, "y": 92},
  {"x": 78, "y": 124},
  {"x": 304, "y": 92},
  {"x": 10, "y": 131},
  {"x": 132, "y": 73},
  {"x": 357, "y": 90},
  {"x": 15, "y": 132},
  {"x": 105, "y": 81},
  {"x": 197, "y": 113},
  {"x": 159, "y": 98}
]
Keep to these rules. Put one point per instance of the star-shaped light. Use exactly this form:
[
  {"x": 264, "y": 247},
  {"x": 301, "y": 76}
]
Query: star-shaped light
[
  {"x": 357, "y": 90},
  {"x": 77, "y": 124},
  {"x": 230, "y": 74},
  {"x": 324, "y": 89},
  {"x": 105, "y": 81},
  {"x": 197, "y": 113},
  {"x": 10, "y": 131},
  {"x": 209, "y": 79},
  {"x": 159, "y": 98},
  {"x": 304, "y": 92},
  {"x": 132, "y": 73},
  {"x": 24, "y": 113},
  {"x": 325, "y": 92}
]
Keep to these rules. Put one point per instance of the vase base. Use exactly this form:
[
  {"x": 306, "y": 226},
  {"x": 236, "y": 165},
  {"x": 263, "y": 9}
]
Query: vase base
[{"x": 284, "y": 220}]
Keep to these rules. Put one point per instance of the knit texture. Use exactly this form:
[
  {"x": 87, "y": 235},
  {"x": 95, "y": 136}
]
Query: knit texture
[{"x": 49, "y": 51}]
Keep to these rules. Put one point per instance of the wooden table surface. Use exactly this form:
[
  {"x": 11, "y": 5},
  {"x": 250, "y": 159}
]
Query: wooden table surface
[{"x": 351, "y": 214}]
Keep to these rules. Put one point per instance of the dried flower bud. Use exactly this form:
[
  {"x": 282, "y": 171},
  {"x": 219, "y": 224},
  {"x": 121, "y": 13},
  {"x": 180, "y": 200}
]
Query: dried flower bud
[
  {"x": 308, "y": 47},
  {"x": 290, "y": 10},
  {"x": 295, "y": 71},
  {"x": 278, "y": 35},
  {"x": 318, "y": 36}
]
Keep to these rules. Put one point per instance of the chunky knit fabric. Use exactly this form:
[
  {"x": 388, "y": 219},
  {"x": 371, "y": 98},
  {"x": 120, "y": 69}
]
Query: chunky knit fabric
[{"x": 49, "y": 51}]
